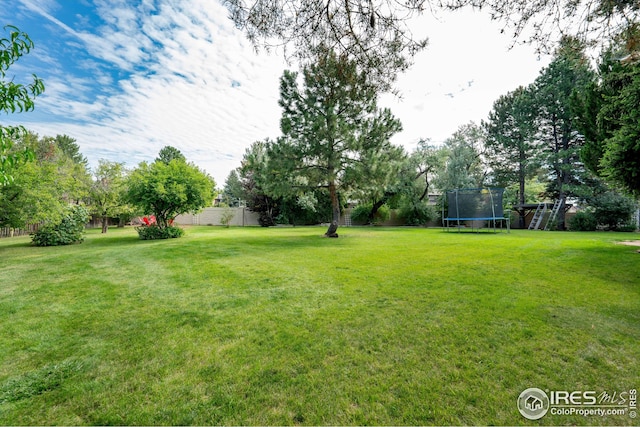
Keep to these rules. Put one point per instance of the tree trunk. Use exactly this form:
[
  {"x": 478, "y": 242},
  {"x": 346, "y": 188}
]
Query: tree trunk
[
  {"x": 564, "y": 180},
  {"x": 377, "y": 205},
  {"x": 335, "y": 208},
  {"x": 105, "y": 224},
  {"x": 562, "y": 196},
  {"x": 521, "y": 179}
]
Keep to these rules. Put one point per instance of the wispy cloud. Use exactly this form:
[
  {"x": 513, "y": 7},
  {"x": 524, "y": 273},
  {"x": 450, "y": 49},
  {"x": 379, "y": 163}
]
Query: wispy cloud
[{"x": 190, "y": 81}]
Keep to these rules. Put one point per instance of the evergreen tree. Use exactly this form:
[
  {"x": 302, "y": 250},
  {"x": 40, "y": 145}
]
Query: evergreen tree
[
  {"x": 233, "y": 191},
  {"x": 609, "y": 118},
  {"x": 556, "y": 123},
  {"x": 333, "y": 132},
  {"x": 511, "y": 145}
]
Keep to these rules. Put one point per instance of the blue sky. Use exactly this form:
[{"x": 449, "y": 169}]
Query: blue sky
[{"x": 125, "y": 78}]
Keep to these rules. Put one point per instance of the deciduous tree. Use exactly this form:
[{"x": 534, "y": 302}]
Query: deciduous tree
[
  {"x": 14, "y": 97},
  {"x": 169, "y": 189},
  {"x": 107, "y": 192},
  {"x": 43, "y": 188},
  {"x": 425, "y": 163},
  {"x": 465, "y": 164}
]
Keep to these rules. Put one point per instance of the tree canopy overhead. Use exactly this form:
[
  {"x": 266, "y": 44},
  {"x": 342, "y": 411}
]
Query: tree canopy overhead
[
  {"x": 372, "y": 33},
  {"x": 377, "y": 35},
  {"x": 544, "y": 22}
]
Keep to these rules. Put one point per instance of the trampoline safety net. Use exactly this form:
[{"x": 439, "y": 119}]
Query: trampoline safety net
[
  {"x": 475, "y": 203},
  {"x": 469, "y": 204}
]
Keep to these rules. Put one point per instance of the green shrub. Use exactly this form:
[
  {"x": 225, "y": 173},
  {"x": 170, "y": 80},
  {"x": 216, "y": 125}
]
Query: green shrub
[
  {"x": 314, "y": 208},
  {"x": 227, "y": 217},
  {"x": 360, "y": 214},
  {"x": 583, "y": 221},
  {"x": 68, "y": 231},
  {"x": 416, "y": 213},
  {"x": 265, "y": 219},
  {"x": 382, "y": 214},
  {"x": 613, "y": 210},
  {"x": 627, "y": 228},
  {"x": 153, "y": 232}
]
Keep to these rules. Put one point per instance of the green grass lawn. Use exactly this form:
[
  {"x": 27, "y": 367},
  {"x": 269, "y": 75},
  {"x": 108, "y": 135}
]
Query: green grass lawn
[{"x": 281, "y": 326}]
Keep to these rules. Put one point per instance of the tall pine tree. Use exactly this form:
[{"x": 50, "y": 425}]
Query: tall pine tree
[
  {"x": 558, "y": 130},
  {"x": 510, "y": 141},
  {"x": 333, "y": 132}
]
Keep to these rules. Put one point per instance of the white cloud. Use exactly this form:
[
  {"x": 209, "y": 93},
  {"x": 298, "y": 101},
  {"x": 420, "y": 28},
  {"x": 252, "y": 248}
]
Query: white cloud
[
  {"x": 188, "y": 55},
  {"x": 44, "y": 7}
]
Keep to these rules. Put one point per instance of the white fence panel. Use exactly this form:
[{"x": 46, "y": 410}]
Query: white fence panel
[{"x": 213, "y": 216}]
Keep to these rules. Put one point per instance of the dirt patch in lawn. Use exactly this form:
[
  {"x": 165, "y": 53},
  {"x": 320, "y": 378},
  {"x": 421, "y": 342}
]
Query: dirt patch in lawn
[{"x": 630, "y": 243}]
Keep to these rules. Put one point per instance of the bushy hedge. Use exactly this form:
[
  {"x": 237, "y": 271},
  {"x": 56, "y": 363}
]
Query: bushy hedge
[
  {"x": 360, "y": 214},
  {"x": 607, "y": 211},
  {"x": 613, "y": 211},
  {"x": 153, "y": 232},
  {"x": 583, "y": 221},
  {"x": 70, "y": 230},
  {"x": 416, "y": 213}
]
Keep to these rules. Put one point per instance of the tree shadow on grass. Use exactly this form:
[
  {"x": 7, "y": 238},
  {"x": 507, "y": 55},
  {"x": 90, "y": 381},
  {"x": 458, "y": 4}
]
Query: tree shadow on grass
[
  {"x": 7, "y": 243},
  {"x": 91, "y": 239},
  {"x": 112, "y": 240}
]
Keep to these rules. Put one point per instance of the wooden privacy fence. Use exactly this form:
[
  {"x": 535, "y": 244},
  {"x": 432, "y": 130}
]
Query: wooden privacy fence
[{"x": 15, "y": 232}]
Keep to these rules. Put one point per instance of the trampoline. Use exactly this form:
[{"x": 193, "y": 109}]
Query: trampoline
[{"x": 475, "y": 205}]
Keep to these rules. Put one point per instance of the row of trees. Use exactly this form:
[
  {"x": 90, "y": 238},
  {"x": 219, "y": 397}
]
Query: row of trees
[
  {"x": 573, "y": 127},
  {"x": 335, "y": 140},
  {"x": 47, "y": 181},
  {"x": 570, "y": 134},
  {"x": 41, "y": 190},
  {"x": 549, "y": 131}
]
